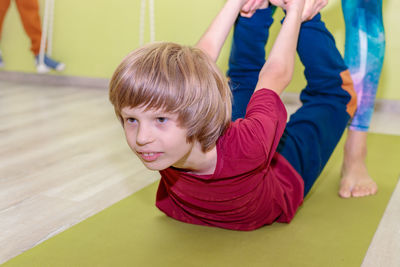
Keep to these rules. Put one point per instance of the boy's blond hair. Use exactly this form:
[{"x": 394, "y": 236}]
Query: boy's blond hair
[{"x": 177, "y": 79}]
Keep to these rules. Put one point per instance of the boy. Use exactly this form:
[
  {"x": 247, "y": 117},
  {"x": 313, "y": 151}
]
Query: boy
[{"x": 175, "y": 108}]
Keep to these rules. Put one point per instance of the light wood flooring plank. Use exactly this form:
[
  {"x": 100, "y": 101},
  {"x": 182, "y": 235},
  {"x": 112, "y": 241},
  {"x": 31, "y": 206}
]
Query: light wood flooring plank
[{"x": 385, "y": 246}]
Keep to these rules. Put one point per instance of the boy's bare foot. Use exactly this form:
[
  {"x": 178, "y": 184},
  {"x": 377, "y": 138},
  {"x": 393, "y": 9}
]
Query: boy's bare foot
[{"x": 356, "y": 181}]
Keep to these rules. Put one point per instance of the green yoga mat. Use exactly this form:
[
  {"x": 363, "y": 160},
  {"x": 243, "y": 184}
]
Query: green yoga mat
[{"x": 327, "y": 230}]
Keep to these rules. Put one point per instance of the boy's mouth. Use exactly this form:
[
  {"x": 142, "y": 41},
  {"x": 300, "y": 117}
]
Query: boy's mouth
[{"x": 149, "y": 156}]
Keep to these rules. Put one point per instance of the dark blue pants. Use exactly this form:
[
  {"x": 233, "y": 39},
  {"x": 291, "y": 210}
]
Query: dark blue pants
[{"x": 317, "y": 126}]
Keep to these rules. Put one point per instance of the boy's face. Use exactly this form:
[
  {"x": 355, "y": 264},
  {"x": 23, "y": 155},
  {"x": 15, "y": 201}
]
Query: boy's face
[{"x": 156, "y": 138}]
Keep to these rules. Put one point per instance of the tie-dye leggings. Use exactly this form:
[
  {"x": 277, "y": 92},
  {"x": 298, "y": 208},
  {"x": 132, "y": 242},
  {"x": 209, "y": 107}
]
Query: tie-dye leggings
[{"x": 364, "y": 53}]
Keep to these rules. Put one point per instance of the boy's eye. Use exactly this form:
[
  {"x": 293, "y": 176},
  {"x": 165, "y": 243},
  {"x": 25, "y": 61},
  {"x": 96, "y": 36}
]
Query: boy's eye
[
  {"x": 131, "y": 120},
  {"x": 162, "y": 119}
]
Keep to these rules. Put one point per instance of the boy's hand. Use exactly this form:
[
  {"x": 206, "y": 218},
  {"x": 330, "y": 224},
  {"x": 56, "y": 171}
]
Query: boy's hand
[
  {"x": 250, "y": 7},
  {"x": 291, "y": 6},
  {"x": 311, "y": 8}
]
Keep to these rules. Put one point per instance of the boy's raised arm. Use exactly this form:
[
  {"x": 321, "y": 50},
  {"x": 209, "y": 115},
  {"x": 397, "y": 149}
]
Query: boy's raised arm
[
  {"x": 214, "y": 38},
  {"x": 278, "y": 69}
]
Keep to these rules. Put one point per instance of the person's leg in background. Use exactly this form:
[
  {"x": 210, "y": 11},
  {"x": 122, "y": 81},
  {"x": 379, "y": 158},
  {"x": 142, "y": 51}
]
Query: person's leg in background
[
  {"x": 4, "y": 5},
  {"x": 364, "y": 53},
  {"x": 329, "y": 101},
  {"x": 247, "y": 57},
  {"x": 29, "y": 13}
]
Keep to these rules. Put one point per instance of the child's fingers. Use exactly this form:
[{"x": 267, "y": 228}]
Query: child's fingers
[
  {"x": 259, "y": 4},
  {"x": 247, "y": 7},
  {"x": 247, "y": 14},
  {"x": 308, "y": 10},
  {"x": 312, "y": 8},
  {"x": 251, "y": 6},
  {"x": 264, "y": 4},
  {"x": 278, "y": 3},
  {"x": 318, "y": 5}
]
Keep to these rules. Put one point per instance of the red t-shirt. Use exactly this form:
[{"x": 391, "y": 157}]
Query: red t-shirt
[{"x": 252, "y": 185}]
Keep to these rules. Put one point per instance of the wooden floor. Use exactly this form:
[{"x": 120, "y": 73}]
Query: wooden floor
[{"x": 63, "y": 158}]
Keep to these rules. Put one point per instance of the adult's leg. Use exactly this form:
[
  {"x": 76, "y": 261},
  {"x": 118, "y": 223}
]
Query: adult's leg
[
  {"x": 29, "y": 13},
  {"x": 4, "y": 5},
  {"x": 364, "y": 53},
  {"x": 247, "y": 57},
  {"x": 329, "y": 101}
]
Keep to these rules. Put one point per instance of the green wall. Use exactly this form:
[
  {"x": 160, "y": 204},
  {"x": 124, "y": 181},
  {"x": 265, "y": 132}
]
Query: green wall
[{"x": 92, "y": 36}]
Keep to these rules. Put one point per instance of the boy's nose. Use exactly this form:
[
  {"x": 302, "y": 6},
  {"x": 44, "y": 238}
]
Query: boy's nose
[{"x": 144, "y": 135}]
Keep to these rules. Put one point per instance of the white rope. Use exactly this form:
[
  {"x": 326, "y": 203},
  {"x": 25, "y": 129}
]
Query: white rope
[
  {"x": 142, "y": 21},
  {"x": 44, "y": 33},
  {"x": 152, "y": 24},
  {"x": 50, "y": 34}
]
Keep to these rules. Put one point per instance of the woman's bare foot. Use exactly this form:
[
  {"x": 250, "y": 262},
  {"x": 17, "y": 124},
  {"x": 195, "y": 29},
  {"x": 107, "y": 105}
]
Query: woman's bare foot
[{"x": 356, "y": 181}]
